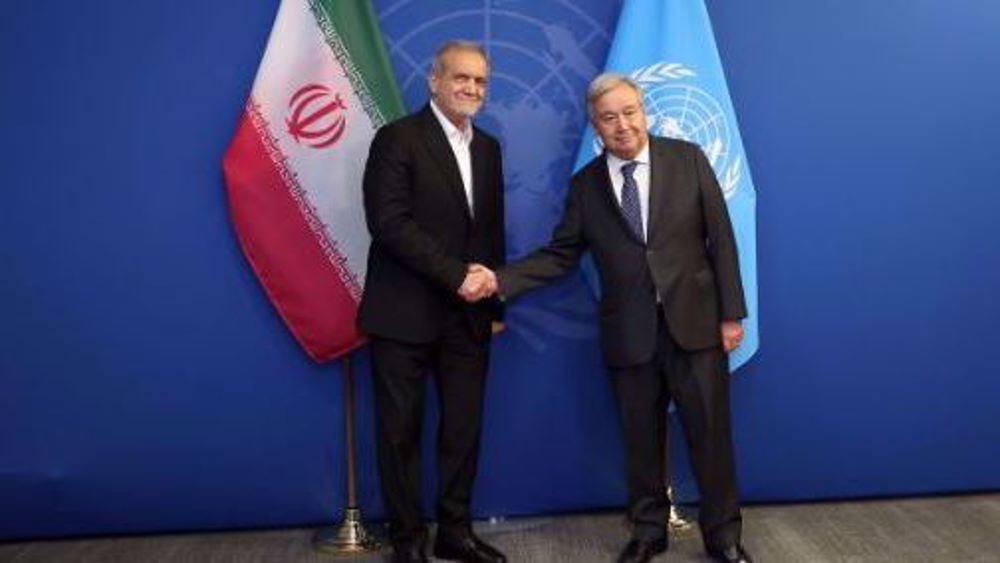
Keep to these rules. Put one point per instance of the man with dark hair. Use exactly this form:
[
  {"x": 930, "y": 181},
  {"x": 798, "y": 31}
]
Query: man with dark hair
[{"x": 433, "y": 193}]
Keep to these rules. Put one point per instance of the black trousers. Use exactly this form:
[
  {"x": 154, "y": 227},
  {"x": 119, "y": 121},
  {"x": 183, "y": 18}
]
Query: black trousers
[
  {"x": 459, "y": 363},
  {"x": 698, "y": 382}
]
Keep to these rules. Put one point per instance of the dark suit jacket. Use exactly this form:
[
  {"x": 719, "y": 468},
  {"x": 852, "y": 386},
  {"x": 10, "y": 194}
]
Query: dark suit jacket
[
  {"x": 689, "y": 260},
  {"x": 422, "y": 232}
]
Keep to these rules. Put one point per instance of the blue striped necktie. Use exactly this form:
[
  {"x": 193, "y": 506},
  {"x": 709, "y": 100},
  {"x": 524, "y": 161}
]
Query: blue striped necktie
[{"x": 630, "y": 200}]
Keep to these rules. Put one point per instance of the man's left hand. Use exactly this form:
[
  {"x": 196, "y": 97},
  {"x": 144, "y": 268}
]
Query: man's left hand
[{"x": 732, "y": 334}]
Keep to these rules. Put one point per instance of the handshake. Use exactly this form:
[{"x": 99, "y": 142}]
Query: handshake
[{"x": 480, "y": 283}]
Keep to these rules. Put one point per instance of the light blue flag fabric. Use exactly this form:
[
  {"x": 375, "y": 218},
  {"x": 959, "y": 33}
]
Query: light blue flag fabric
[{"x": 668, "y": 47}]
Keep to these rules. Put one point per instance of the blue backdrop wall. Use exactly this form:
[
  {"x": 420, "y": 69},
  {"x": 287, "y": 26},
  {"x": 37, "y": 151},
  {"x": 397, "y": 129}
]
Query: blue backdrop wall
[{"x": 147, "y": 384}]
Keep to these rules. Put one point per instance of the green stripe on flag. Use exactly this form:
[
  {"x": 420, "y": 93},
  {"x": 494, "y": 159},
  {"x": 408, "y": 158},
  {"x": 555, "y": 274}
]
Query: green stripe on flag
[{"x": 353, "y": 34}]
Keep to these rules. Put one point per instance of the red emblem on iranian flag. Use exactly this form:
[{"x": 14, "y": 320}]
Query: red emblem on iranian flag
[{"x": 317, "y": 116}]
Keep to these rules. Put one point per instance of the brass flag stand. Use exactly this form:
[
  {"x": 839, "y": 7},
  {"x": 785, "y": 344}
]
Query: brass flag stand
[{"x": 350, "y": 536}]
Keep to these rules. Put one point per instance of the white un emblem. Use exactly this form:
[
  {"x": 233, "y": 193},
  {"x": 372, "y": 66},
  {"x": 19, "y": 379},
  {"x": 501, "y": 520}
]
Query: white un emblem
[{"x": 678, "y": 109}]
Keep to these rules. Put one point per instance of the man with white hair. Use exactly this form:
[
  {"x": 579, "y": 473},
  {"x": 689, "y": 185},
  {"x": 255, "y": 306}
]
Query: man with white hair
[
  {"x": 433, "y": 192},
  {"x": 651, "y": 211}
]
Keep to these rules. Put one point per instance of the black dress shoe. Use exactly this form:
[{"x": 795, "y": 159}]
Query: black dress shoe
[
  {"x": 408, "y": 553},
  {"x": 640, "y": 551},
  {"x": 465, "y": 547},
  {"x": 732, "y": 554}
]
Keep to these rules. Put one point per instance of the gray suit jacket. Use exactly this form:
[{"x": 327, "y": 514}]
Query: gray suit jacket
[{"x": 689, "y": 260}]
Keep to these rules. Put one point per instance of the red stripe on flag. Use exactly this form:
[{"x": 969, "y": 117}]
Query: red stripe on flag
[{"x": 282, "y": 249}]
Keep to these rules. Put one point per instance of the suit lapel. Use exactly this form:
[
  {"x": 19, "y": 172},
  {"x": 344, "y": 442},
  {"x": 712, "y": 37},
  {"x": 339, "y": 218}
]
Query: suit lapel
[
  {"x": 604, "y": 177},
  {"x": 656, "y": 192},
  {"x": 439, "y": 148},
  {"x": 480, "y": 187},
  {"x": 663, "y": 170}
]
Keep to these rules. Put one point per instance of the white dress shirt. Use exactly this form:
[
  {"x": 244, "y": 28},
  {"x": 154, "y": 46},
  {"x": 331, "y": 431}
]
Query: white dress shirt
[
  {"x": 641, "y": 175},
  {"x": 460, "y": 142}
]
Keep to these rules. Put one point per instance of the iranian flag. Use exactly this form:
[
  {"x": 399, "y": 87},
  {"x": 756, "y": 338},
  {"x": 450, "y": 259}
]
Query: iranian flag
[{"x": 294, "y": 167}]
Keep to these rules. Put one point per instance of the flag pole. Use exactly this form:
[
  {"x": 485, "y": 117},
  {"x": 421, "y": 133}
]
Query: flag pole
[{"x": 350, "y": 536}]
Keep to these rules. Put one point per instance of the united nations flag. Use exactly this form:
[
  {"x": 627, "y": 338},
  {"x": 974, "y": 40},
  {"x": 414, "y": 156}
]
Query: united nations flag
[{"x": 668, "y": 47}]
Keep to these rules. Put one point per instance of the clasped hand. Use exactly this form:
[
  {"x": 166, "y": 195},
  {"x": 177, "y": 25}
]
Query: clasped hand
[{"x": 480, "y": 282}]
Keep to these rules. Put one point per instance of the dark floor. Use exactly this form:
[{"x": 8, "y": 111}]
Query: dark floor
[{"x": 958, "y": 528}]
